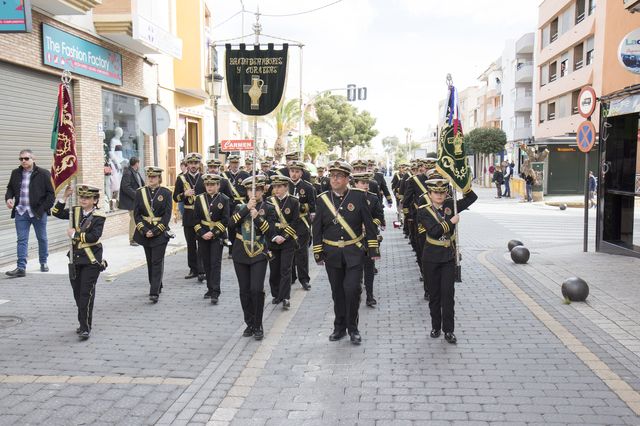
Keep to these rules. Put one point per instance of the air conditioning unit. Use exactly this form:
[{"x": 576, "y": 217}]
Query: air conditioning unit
[{"x": 632, "y": 5}]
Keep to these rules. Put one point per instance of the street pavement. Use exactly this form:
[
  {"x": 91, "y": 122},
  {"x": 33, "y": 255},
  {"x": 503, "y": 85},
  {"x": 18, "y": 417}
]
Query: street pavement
[{"x": 523, "y": 356}]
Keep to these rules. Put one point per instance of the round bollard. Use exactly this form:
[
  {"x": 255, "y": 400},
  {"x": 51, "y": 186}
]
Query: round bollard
[
  {"x": 563, "y": 206},
  {"x": 514, "y": 243},
  {"x": 575, "y": 289},
  {"x": 520, "y": 254}
]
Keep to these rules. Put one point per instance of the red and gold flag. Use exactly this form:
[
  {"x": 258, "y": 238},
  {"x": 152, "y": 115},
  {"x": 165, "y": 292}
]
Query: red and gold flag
[{"x": 63, "y": 141}]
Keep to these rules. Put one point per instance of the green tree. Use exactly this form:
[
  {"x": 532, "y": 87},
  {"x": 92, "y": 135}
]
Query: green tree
[
  {"x": 390, "y": 144},
  {"x": 340, "y": 124},
  {"x": 486, "y": 140},
  {"x": 287, "y": 118},
  {"x": 314, "y": 146}
]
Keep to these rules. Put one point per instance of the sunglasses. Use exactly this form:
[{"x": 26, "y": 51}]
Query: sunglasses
[{"x": 24, "y": 158}]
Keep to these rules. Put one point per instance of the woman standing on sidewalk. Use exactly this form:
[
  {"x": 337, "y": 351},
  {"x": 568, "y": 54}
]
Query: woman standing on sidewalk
[
  {"x": 438, "y": 256},
  {"x": 85, "y": 232},
  {"x": 152, "y": 212}
]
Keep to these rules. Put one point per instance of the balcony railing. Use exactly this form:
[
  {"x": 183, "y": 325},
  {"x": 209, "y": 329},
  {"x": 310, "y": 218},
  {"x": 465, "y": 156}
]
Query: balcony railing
[{"x": 66, "y": 7}]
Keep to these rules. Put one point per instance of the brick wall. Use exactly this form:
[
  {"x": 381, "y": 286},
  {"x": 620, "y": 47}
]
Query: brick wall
[{"x": 25, "y": 49}]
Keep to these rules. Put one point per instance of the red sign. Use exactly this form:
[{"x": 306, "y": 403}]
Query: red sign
[
  {"x": 586, "y": 136},
  {"x": 587, "y": 101},
  {"x": 236, "y": 145}
]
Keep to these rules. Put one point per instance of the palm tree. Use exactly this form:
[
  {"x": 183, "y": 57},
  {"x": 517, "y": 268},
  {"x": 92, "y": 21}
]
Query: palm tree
[{"x": 287, "y": 117}]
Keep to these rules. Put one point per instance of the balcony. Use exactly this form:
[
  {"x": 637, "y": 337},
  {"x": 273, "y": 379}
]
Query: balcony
[
  {"x": 493, "y": 114},
  {"x": 522, "y": 133},
  {"x": 523, "y": 104},
  {"x": 122, "y": 22},
  {"x": 524, "y": 72},
  {"x": 632, "y": 5},
  {"x": 524, "y": 45},
  {"x": 66, "y": 7}
]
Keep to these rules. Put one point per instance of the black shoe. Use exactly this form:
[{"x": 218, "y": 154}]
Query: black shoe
[
  {"x": 306, "y": 286},
  {"x": 44, "y": 267},
  {"x": 275, "y": 301},
  {"x": 434, "y": 333},
  {"x": 451, "y": 338},
  {"x": 214, "y": 300},
  {"x": 207, "y": 295},
  {"x": 427, "y": 297},
  {"x": 190, "y": 275},
  {"x": 78, "y": 330},
  {"x": 16, "y": 273},
  {"x": 201, "y": 277},
  {"x": 84, "y": 334},
  {"x": 248, "y": 332},
  {"x": 133, "y": 244},
  {"x": 371, "y": 302},
  {"x": 154, "y": 298},
  {"x": 258, "y": 333},
  {"x": 286, "y": 304},
  {"x": 355, "y": 338},
  {"x": 337, "y": 335},
  {"x": 375, "y": 271}
]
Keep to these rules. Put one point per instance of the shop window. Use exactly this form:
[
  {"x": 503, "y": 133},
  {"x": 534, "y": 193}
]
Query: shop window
[
  {"x": 578, "y": 56},
  {"x": 551, "y": 111},
  {"x": 123, "y": 140},
  {"x": 575, "y": 95}
]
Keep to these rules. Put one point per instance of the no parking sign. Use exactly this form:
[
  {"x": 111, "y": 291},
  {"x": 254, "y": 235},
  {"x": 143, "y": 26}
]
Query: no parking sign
[{"x": 586, "y": 136}]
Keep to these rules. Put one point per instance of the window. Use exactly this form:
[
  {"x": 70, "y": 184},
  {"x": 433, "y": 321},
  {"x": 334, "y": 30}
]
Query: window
[
  {"x": 592, "y": 6},
  {"x": 564, "y": 68},
  {"x": 553, "y": 71},
  {"x": 544, "y": 75},
  {"x": 580, "y": 10},
  {"x": 590, "y": 53},
  {"x": 574, "y": 101},
  {"x": 543, "y": 112},
  {"x": 554, "y": 30},
  {"x": 578, "y": 55},
  {"x": 545, "y": 36},
  {"x": 551, "y": 111}
]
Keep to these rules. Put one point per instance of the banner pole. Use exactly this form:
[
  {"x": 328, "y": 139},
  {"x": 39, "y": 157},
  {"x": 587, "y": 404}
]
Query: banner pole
[{"x": 256, "y": 29}]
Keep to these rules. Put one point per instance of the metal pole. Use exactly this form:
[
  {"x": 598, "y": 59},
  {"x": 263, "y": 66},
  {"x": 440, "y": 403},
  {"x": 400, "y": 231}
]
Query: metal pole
[
  {"x": 256, "y": 29},
  {"x": 301, "y": 123},
  {"x": 585, "y": 246},
  {"x": 154, "y": 132},
  {"x": 216, "y": 141}
]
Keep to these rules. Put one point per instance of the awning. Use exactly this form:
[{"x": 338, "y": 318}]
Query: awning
[{"x": 622, "y": 102}]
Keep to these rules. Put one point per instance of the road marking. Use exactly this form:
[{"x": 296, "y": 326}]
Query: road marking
[
  {"x": 3, "y": 301},
  {"x": 626, "y": 393},
  {"x": 109, "y": 380},
  {"x": 236, "y": 396}
]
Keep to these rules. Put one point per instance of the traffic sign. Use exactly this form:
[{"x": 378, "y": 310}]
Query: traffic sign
[
  {"x": 228, "y": 145},
  {"x": 587, "y": 101},
  {"x": 586, "y": 136},
  {"x": 146, "y": 117}
]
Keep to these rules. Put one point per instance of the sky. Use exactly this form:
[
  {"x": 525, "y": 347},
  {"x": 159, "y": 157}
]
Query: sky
[{"x": 400, "y": 50}]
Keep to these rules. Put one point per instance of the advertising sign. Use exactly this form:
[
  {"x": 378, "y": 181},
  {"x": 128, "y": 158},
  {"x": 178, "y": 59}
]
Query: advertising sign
[
  {"x": 236, "y": 145},
  {"x": 629, "y": 51},
  {"x": 256, "y": 78},
  {"x": 15, "y": 16},
  {"x": 68, "y": 52}
]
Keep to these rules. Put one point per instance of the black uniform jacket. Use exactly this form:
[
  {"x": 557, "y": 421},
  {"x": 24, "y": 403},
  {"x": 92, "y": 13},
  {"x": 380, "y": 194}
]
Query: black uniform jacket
[
  {"x": 238, "y": 191},
  {"x": 343, "y": 229},
  {"x": 384, "y": 189},
  {"x": 152, "y": 212},
  {"x": 287, "y": 218},
  {"x": 306, "y": 194},
  {"x": 402, "y": 188},
  {"x": 86, "y": 246},
  {"x": 414, "y": 189},
  {"x": 322, "y": 184},
  {"x": 264, "y": 224},
  {"x": 440, "y": 242},
  {"x": 396, "y": 180},
  {"x": 184, "y": 182},
  {"x": 377, "y": 212},
  {"x": 212, "y": 214}
]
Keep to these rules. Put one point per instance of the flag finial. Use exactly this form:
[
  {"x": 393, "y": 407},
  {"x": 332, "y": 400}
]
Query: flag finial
[{"x": 449, "y": 80}]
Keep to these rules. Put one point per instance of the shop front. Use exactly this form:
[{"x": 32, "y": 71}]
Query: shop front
[{"x": 618, "y": 226}]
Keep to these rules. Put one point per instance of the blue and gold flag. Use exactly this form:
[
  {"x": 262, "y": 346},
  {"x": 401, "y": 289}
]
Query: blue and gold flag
[{"x": 452, "y": 159}]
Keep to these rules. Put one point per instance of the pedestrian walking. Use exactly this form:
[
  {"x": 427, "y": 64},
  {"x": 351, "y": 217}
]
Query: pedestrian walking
[
  {"x": 187, "y": 187},
  {"x": 30, "y": 197},
  {"x": 251, "y": 254},
  {"x": 498, "y": 179},
  {"x": 212, "y": 210},
  {"x": 528, "y": 180},
  {"x": 438, "y": 256},
  {"x": 340, "y": 243},
  {"x": 507, "y": 174},
  {"x": 285, "y": 240},
  {"x": 152, "y": 213},
  {"x": 306, "y": 195},
  {"x": 131, "y": 181},
  {"x": 87, "y": 222},
  {"x": 593, "y": 186}
]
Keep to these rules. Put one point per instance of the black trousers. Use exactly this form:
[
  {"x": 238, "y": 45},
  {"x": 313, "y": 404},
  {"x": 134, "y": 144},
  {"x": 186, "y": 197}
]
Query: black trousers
[
  {"x": 211, "y": 254},
  {"x": 155, "y": 267},
  {"x": 300, "y": 268},
  {"x": 499, "y": 189},
  {"x": 345, "y": 291},
  {"x": 420, "y": 241},
  {"x": 369, "y": 274},
  {"x": 194, "y": 260},
  {"x": 280, "y": 267},
  {"x": 251, "y": 283},
  {"x": 440, "y": 283},
  {"x": 413, "y": 232},
  {"x": 84, "y": 293}
]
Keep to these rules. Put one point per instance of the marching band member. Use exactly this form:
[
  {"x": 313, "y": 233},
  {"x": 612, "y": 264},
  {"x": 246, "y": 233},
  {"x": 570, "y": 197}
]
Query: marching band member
[{"x": 306, "y": 195}]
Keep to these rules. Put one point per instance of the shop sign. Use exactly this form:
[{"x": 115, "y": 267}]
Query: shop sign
[
  {"x": 66, "y": 51},
  {"x": 629, "y": 51},
  {"x": 236, "y": 145},
  {"x": 15, "y": 16}
]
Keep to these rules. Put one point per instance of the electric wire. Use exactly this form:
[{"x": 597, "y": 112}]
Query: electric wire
[{"x": 276, "y": 15}]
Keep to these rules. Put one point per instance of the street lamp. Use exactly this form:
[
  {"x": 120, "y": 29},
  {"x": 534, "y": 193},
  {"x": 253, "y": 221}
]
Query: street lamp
[{"x": 214, "y": 87}]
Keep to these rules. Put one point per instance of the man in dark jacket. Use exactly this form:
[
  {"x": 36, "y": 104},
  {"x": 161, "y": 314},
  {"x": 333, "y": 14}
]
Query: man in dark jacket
[
  {"x": 30, "y": 196},
  {"x": 131, "y": 181}
]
